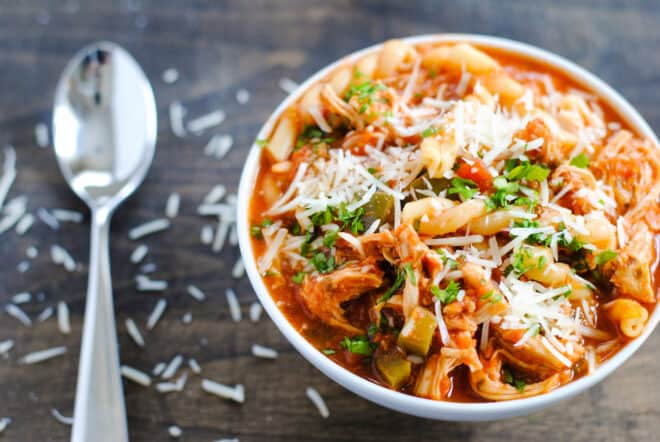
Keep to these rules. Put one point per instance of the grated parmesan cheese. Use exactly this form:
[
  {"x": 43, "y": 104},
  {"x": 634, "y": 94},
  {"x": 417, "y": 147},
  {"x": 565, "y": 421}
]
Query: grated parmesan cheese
[{"x": 135, "y": 375}]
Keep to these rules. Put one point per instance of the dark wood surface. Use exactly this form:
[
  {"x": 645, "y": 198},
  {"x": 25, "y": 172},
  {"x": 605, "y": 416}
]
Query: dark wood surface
[{"x": 219, "y": 47}]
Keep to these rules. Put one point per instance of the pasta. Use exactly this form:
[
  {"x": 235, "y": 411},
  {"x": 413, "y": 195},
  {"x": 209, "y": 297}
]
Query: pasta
[{"x": 457, "y": 223}]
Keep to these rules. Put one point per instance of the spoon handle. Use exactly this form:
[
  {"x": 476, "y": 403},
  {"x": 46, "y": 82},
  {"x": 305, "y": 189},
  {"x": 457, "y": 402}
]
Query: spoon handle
[{"x": 99, "y": 413}]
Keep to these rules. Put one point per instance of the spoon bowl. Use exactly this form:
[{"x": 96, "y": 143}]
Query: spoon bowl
[
  {"x": 104, "y": 124},
  {"x": 104, "y": 133}
]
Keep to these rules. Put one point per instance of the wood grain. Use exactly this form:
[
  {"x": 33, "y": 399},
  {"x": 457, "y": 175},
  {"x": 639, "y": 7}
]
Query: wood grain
[{"x": 219, "y": 47}]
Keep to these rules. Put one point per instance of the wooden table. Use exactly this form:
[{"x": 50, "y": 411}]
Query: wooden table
[{"x": 219, "y": 47}]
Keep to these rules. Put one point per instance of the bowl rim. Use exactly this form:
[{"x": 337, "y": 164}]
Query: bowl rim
[{"x": 443, "y": 410}]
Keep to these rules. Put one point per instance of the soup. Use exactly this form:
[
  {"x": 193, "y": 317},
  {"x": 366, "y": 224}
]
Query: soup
[{"x": 458, "y": 223}]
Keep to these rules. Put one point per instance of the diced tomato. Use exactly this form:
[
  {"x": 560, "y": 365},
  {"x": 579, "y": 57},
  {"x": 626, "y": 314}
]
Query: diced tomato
[{"x": 477, "y": 172}]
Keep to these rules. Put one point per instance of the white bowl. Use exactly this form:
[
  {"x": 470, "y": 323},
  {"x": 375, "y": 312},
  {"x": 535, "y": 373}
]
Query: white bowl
[{"x": 392, "y": 399}]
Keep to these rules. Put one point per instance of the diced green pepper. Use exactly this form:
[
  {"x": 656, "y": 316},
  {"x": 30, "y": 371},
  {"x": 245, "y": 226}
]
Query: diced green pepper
[
  {"x": 417, "y": 332},
  {"x": 394, "y": 368},
  {"x": 437, "y": 184},
  {"x": 380, "y": 206}
]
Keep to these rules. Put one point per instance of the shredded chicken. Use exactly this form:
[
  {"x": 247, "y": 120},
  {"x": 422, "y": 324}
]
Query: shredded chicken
[
  {"x": 488, "y": 384},
  {"x": 532, "y": 356},
  {"x": 340, "y": 107},
  {"x": 575, "y": 178},
  {"x": 491, "y": 301},
  {"x": 630, "y": 271},
  {"x": 434, "y": 381},
  {"x": 631, "y": 166},
  {"x": 324, "y": 294},
  {"x": 556, "y": 146}
]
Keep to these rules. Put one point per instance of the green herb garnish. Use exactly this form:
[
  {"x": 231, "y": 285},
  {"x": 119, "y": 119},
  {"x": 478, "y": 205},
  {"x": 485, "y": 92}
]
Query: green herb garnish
[
  {"x": 410, "y": 273},
  {"x": 398, "y": 282},
  {"x": 330, "y": 238},
  {"x": 322, "y": 262},
  {"x": 365, "y": 94},
  {"x": 430, "y": 131},
  {"x": 359, "y": 345},
  {"x": 580, "y": 161},
  {"x": 465, "y": 188},
  {"x": 528, "y": 171},
  {"x": 448, "y": 294},
  {"x": 604, "y": 257},
  {"x": 298, "y": 277}
]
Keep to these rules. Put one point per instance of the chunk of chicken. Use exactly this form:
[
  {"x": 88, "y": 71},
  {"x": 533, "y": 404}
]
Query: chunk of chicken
[
  {"x": 411, "y": 251},
  {"x": 378, "y": 244},
  {"x": 557, "y": 143},
  {"x": 434, "y": 381},
  {"x": 630, "y": 271},
  {"x": 575, "y": 178},
  {"x": 340, "y": 107},
  {"x": 532, "y": 356},
  {"x": 324, "y": 294},
  {"x": 409, "y": 246},
  {"x": 488, "y": 384},
  {"x": 631, "y": 166},
  {"x": 490, "y": 299}
]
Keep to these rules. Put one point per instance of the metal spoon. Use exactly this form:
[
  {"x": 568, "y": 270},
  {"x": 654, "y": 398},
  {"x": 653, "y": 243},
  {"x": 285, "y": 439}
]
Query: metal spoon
[{"x": 104, "y": 133}]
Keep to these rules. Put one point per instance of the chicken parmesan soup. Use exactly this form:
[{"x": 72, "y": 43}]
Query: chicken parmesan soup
[{"x": 457, "y": 223}]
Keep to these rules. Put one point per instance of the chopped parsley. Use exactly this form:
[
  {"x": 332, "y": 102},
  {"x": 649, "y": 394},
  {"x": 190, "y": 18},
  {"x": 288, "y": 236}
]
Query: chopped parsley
[
  {"x": 540, "y": 264},
  {"x": 448, "y": 294},
  {"x": 505, "y": 192},
  {"x": 430, "y": 131},
  {"x": 508, "y": 186},
  {"x": 295, "y": 228},
  {"x": 372, "y": 330},
  {"x": 322, "y": 218},
  {"x": 298, "y": 277},
  {"x": 398, "y": 282},
  {"x": 359, "y": 345},
  {"x": 446, "y": 259},
  {"x": 574, "y": 245},
  {"x": 410, "y": 273},
  {"x": 365, "y": 94},
  {"x": 261, "y": 143},
  {"x": 465, "y": 188},
  {"x": 330, "y": 238},
  {"x": 255, "y": 231},
  {"x": 305, "y": 247},
  {"x": 526, "y": 170},
  {"x": 580, "y": 161},
  {"x": 492, "y": 297},
  {"x": 519, "y": 384},
  {"x": 519, "y": 258},
  {"x": 351, "y": 219},
  {"x": 314, "y": 136},
  {"x": 604, "y": 257},
  {"x": 328, "y": 351},
  {"x": 536, "y": 238},
  {"x": 322, "y": 262}
]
